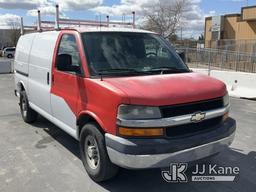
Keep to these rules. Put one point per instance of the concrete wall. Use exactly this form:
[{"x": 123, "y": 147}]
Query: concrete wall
[
  {"x": 239, "y": 84},
  {"x": 230, "y": 27},
  {"x": 207, "y": 31},
  {"x": 249, "y": 13},
  {"x": 236, "y": 26}
]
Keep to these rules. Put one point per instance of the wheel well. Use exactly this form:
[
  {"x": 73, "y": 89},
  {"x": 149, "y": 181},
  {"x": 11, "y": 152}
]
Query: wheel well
[
  {"x": 84, "y": 119},
  {"x": 21, "y": 87}
]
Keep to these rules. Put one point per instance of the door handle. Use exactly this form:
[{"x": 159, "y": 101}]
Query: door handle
[{"x": 48, "y": 78}]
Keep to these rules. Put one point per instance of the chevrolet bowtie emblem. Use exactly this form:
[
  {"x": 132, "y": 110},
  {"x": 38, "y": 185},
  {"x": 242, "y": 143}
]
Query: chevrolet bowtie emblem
[{"x": 198, "y": 117}]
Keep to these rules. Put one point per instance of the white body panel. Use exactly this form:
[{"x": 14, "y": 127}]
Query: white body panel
[
  {"x": 71, "y": 131},
  {"x": 33, "y": 60},
  {"x": 22, "y": 58},
  {"x": 62, "y": 111},
  {"x": 40, "y": 64},
  {"x": 23, "y": 52}
]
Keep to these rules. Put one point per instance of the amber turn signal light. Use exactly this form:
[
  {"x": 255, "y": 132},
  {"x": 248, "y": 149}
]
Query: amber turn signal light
[
  {"x": 141, "y": 132},
  {"x": 225, "y": 116}
]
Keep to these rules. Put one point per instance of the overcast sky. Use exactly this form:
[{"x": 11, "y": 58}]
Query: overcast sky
[{"x": 92, "y": 9}]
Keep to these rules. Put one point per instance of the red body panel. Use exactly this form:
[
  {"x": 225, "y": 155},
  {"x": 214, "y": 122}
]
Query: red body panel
[
  {"x": 100, "y": 99},
  {"x": 66, "y": 85},
  {"x": 158, "y": 90}
]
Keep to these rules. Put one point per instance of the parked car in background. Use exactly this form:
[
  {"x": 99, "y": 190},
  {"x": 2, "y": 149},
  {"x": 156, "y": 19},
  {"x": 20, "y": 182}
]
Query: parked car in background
[{"x": 9, "y": 52}]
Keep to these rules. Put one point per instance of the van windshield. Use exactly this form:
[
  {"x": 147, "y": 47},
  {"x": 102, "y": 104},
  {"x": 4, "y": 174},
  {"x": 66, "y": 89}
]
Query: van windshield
[{"x": 124, "y": 53}]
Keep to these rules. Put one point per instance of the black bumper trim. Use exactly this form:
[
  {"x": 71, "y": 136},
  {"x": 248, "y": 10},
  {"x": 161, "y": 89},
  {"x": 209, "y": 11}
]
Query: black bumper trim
[{"x": 151, "y": 146}]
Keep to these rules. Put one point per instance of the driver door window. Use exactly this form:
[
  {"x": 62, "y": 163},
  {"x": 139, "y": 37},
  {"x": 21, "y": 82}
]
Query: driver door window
[{"x": 68, "y": 58}]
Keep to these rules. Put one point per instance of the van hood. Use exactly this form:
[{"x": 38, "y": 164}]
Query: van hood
[{"x": 168, "y": 89}]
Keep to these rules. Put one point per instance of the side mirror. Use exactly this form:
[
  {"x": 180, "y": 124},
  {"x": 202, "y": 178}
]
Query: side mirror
[{"x": 64, "y": 62}]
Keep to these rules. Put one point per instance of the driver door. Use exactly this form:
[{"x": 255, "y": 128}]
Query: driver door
[{"x": 67, "y": 72}]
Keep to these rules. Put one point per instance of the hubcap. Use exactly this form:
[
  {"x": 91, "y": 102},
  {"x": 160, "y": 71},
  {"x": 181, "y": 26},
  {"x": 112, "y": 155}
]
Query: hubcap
[{"x": 91, "y": 152}]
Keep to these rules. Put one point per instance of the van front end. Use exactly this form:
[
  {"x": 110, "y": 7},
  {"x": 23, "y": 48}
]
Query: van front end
[{"x": 154, "y": 137}]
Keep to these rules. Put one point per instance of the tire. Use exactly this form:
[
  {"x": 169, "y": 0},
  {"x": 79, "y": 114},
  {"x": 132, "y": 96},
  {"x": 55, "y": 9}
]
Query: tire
[
  {"x": 94, "y": 154},
  {"x": 9, "y": 56},
  {"x": 27, "y": 113}
]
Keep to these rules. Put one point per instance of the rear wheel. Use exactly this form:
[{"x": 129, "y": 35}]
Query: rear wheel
[
  {"x": 9, "y": 56},
  {"x": 94, "y": 154},
  {"x": 28, "y": 114}
]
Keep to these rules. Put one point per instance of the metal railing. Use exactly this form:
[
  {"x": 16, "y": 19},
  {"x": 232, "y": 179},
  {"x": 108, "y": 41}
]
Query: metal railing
[
  {"x": 220, "y": 59},
  {"x": 43, "y": 25},
  {"x": 248, "y": 45}
]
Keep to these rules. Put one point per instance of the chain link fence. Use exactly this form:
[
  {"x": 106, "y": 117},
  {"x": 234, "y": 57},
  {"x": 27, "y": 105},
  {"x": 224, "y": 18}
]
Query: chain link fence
[
  {"x": 220, "y": 59},
  {"x": 233, "y": 55},
  {"x": 243, "y": 46}
]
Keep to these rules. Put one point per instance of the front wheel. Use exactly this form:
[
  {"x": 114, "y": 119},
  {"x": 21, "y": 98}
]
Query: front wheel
[{"x": 94, "y": 154}]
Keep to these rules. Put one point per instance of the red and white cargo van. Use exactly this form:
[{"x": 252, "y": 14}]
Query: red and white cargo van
[{"x": 124, "y": 94}]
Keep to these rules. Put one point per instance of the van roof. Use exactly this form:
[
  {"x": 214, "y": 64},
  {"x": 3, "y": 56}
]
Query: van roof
[
  {"x": 110, "y": 29},
  {"x": 83, "y": 29}
]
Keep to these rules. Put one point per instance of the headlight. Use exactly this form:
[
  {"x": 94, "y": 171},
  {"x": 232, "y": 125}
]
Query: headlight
[
  {"x": 134, "y": 112},
  {"x": 226, "y": 100}
]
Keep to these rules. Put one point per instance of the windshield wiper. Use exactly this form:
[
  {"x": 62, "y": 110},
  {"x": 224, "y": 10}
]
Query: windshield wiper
[{"x": 169, "y": 69}]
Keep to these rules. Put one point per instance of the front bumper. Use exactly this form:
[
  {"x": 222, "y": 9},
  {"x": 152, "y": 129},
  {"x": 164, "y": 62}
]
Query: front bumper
[{"x": 156, "y": 153}]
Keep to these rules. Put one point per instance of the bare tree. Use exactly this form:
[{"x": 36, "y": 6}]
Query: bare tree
[
  {"x": 164, "y": 18},
  {"x": 14, "y": 32}
]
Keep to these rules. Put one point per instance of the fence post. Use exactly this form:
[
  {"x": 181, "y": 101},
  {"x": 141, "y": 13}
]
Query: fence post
[
  {"x": 253, "y": 58},
  {"x": 221, "y": 64},
  {"x": 197, "y": 56},
  {"x": 237, "y": 56},
  {"x": 186, "y": 53},
  {"x": 209, "y": 62}
]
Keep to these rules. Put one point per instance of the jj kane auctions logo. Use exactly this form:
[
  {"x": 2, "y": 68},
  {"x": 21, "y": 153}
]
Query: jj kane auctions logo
[{"x": 200, "y": 173}]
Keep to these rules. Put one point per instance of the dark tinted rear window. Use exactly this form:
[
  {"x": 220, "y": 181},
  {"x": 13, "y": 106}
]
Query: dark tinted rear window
[{"x": 10, "y": 49}]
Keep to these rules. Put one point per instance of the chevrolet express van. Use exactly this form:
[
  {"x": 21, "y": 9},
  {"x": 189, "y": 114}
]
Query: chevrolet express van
[{"x": 124, "y": 94}]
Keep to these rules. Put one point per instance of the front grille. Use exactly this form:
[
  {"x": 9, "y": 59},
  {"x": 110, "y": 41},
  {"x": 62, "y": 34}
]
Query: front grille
[
  {"x": 189, "y": 108},
  {"x": 193, "y": 128}
]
